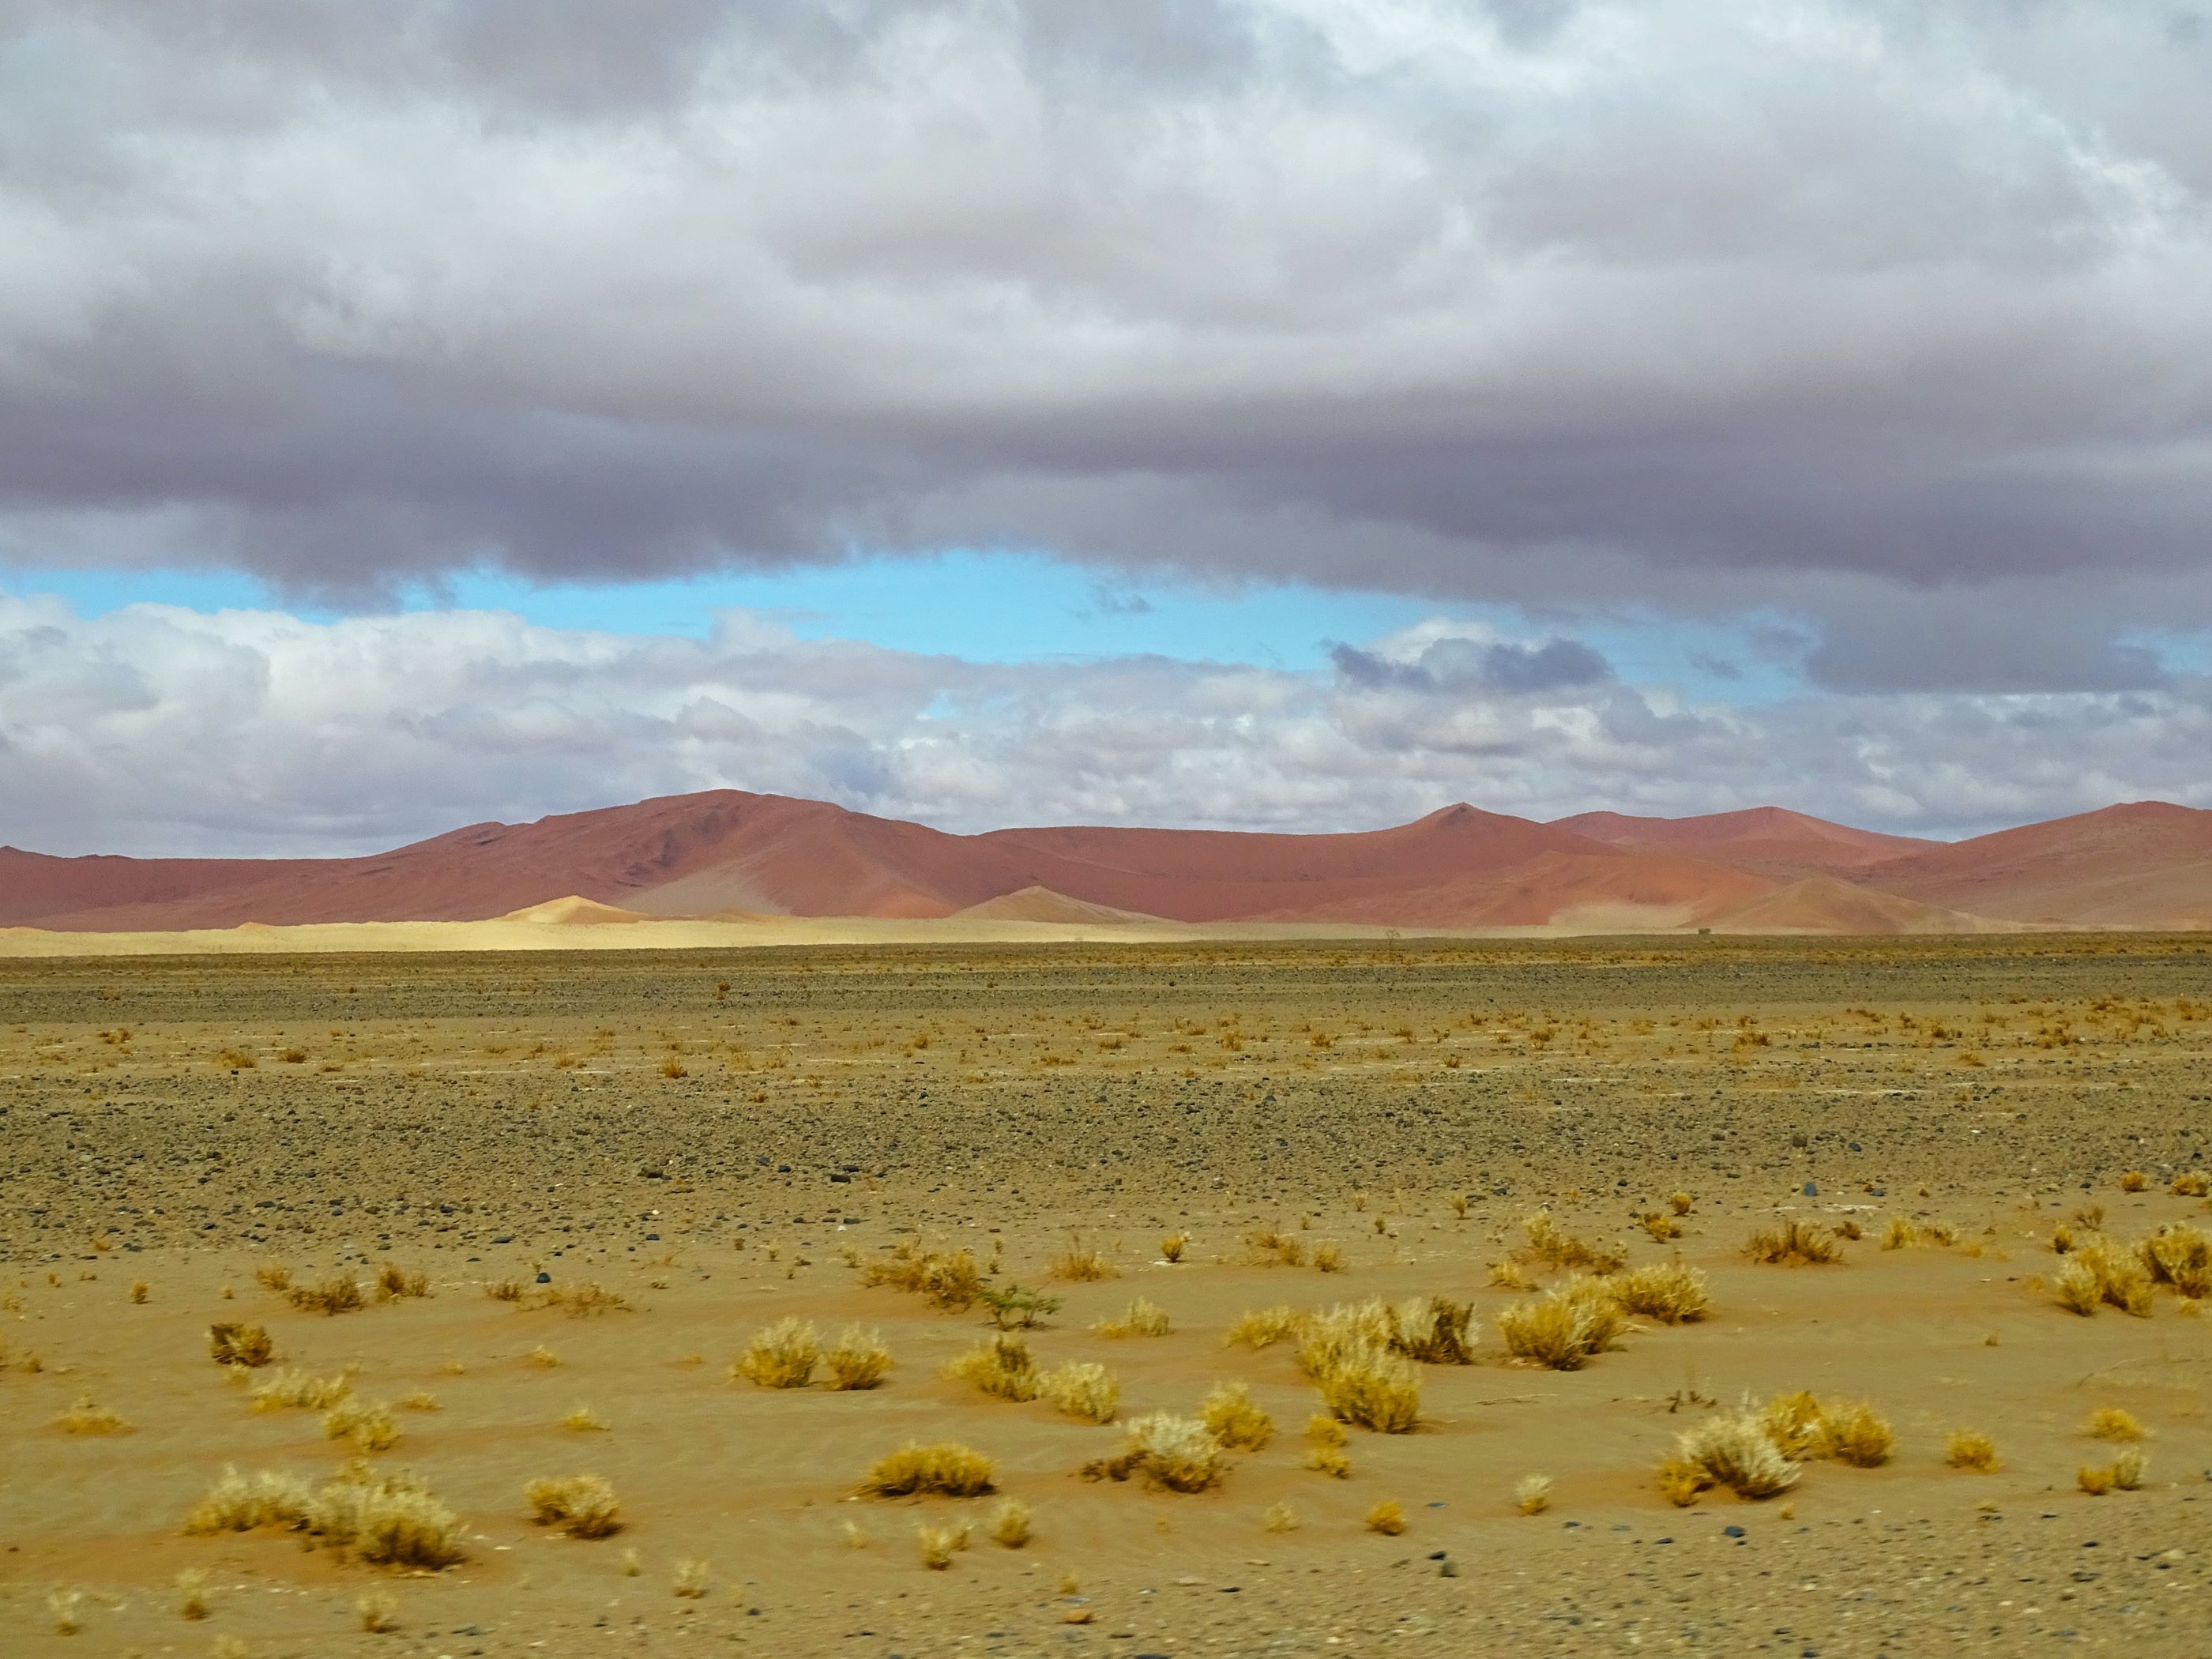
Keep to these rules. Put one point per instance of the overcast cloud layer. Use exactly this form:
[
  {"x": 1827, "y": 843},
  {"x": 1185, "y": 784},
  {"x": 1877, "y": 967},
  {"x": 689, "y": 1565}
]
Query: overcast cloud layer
[
  {"x": 1890, "y": 319},
  {"x": 158, "y": 730}
]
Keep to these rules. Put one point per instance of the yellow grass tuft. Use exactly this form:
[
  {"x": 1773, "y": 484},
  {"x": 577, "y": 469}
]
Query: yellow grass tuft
[
  {"x": 1081, "y": 1389},
  {"x": 1563, "y": 1329},
  {"x": 1141, "y": 1317},
  {"x": 2099, "y": 1274},
  {"x": 689, "y": 1580},
  {"x": 1173, "y": 1246},
  {"x": 541, "y": 1357},
  {"x": 335, "y": 1295},
  {"x": 1172, "y": 1454},
  {"x": 1793, "y": 1243},
  {"x": 1732, "y": 1450},
  {"x": 419, "y": 1400},
  {"x": 244, "y": 1503},
  {"x": 86, "y": 1417},
  {"x": 1080, "y": 1264},
  {"x": 1365, "y": 1382},
  {"x": 369, "y": 1426},
  {"x": 1262, "y": 1327},
  {"x": 2094, "y": 1481},
  {"x": 62, "y": 1606},
  {"x": 1232, "y": 1417},
  {"x": 1433, "y": 1330},
  {"x": 1331, "y": 1461},
  {"x": 396, "y": 1284},
  {"x": 946, "y": 1468},
  {"x": 583, "y": 1420},
  {"x": 859, "y": 1360},
  {"x": 1510, "y": 1275},
  {"x": 232, "y": 1344},
  {"x": 1971, "y": 1450},
  {"x": 377, "y": 1611},
  {"x": 192, "y": 1593},
  {"x": 1555, "y": 1249},
  {"x": 2128, "y": 1468},
  {"x": 1011, "y": 1526},
  {"x": 273, "y": 1276},
  {"x": 296, "y": 1389},
  {"x": 387, "y": 1520},
  {"x": 1664, "y": 1229},
  {"x": 948, "y": 1280},
  {"x": 1531, "y": 1493},
  {"x": 1805, "y": 1427},
  {"x": 1665, "y": 1290},
  {"x": 2180, "y": 1257},
  {"x": 2113, "y": 1423},
  {"x": 1679, "y": 1203},
  {"x": 581, "y": 1505},
  {"x": 2193, "y": 1183},
  {"x": 583, "y": 1300},
  {"x": 782, "y": 1356},
  {"x": 940, "y": 1543},
  {"x": 1900, "y": 1234},
  {"x": 1386, "y": 1517},
  {"x": 1328, "y": 1256},
  {"x": 1280, "y": 1516},
  {"x": 2134, "y": 1181},
  {"x": 1276, "y": 1248},
  {"x": 1000, "y": 1365}
]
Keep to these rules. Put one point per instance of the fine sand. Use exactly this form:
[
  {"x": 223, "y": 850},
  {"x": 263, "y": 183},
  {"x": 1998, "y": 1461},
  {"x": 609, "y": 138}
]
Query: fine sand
[{"x": 721, "y": 1139}]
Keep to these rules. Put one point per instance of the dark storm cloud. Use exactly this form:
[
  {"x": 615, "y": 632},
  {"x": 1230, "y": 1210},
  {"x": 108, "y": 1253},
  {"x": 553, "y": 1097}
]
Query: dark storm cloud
[{"x": 1707, "y": 307}]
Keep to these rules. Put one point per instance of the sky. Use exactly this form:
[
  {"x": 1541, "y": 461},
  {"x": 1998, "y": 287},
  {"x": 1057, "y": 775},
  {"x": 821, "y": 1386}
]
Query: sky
[{"x": 1273, "y": 414}]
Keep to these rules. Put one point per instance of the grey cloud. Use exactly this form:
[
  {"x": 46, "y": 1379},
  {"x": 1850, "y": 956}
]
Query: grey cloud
[
  {"x": 1454, "y": 665},
  {"x": 1700, "y": 306}
]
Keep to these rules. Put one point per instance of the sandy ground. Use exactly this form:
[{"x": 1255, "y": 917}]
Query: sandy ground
[{"x": 724, "y": 1138}]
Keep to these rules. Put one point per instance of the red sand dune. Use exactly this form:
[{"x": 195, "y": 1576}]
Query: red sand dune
[{"x": 724, "y": 852}]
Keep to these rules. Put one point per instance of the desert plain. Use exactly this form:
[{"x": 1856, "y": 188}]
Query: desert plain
[{"x": 570, "y": 1191}]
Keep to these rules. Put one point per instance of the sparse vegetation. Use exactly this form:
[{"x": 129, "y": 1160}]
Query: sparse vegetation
[
  {"x": 581, "y": 1505},
  {"x": 1971, "y": 1450},
  {"x": 2113, "y": 1423},
  {"x": 1010, "y": 1524},
  {"x": 1081, "y": 1389},
  {"x": 1386, "y": 1517},
  {"x": 1565, "y": 1328},
  {"x": 1531, "y": 1493},
  {"x": 87, "y": 1417},
  {"x": 782, "y": 1356},
  {"x": 1792, "y": 1243},
  {"x": 385, "y": 1519},
  {"x": 1079, "y": 1263},
  {"x": 949, "y": 1281},
  {"x": 946, "y": 1469},
  {"x": 1142, "y": 1317},
  {"x": 857, "y": 1360},
  {"x": 1169, "y": 1453},
  {"x": 1001, "y": 1365},
  {"x": 337, "y": 1294},
  {"x": 1665, "y": 1290},
  {"x": 240, "y": 1345},
  {"x": 1232, "y": 1417}
]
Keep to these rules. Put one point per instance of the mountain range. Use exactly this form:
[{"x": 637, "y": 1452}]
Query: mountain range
[{"x": 727, "y": 853}]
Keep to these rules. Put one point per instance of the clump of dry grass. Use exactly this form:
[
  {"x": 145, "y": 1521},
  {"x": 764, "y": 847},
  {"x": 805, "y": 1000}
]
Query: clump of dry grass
[
  {"x": 1662, "y": 1228},
  {"x": 1971, "y": 1450},
  {"x": 1373, "y": 1387},
  {"x": 782, "y": 1355},
  {"x": 583, "y": 1420},
  {"x": 298, "y": 1390},
  {"x": 192, "y": 1593},
  {"x": 273, "y": 1276},
  {"x": 62, "y": 1606},
  {"x": 2134, "y": 1181},
  {"x": 1734, "y": 1450},
  {"x": 1279, "y": 1517},
  {"x": 1510, "y": 1275},
  {"x": 1791, "y": 1243},
  {"x": 946, "y": 1468},
  {"x": 1079, "y": 1263},
  {"x": 1171, "y": 1453},
  {"x": 1555, "y": 1249},
  {"x": 336, "y": 1295},
  {"x": 1680, "y": 1203},
  {"x": 1531, "y": 1493},
  {"x": 244, "y": 1345},
  {"x": 1328, "y": 1255},
  {"x": 1275, "y": 1247},
  {"x": 940, "y": 1543},
  {"x": 2093, "y": 1480},
  {"x": 2113, "y": 1423},
  {"x": 541, "y": 1357},
  {"x": 387, "y": 1519},
  {"x": 1232, "y": 1417},
  {"x": 1173, "y": 1246},
  {"x": 1081, "y": 1389},
  {"x": 377, "y": 1611},
  {"x": 1386, "y": 1517},
  {"x": 1563, "y": 1329},
  {"x": 140, "y": 1290},
  {"x": 1326, "y": 1447},
  {"x": 583, "y": 1300},
  {"x": 507, "y": 1290},
  {"x": 948, "y": 1280},
  {"x": 858, "y": 1360},
  {"x": 86, "y": 1417},
  {"x": 418, "y": 1400},
  {"x": 689, "y": 1580},
  {"x": 1262, "y": 1327},
  {"x": 1434, "y": 1330},
  {"x": 1665, "y": 1290},
  {"x": 398, "y": 1284},
  {"x": 1142, "y": 1317},
  {"x": 2180, "y": 1257},
  {"x": 1011, "y": 1527},
  {"x": 581, "y": 1505},
  {"x": 1900, "y": 1234},
  {"x": 1805, "y": 1427},
  {"x": 2098, "y": 1275},
  {"x": 369, "y": 1427},
  {"x": 1000, "y": 1365},
  {"x": 2191, "y": 1183}
]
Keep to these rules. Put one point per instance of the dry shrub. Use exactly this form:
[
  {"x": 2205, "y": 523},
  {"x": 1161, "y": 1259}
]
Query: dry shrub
[
  {"x": 541, "y": 1357},
  {"x": 584, "y": 1300},
  {"x": 2134, "y": 1181},
  {"x": 1792, "y": 1243},
  {"x": 1732, "y": 1450},
  {"x": 947, "y": 1280},
  {"x": 1531, "y": 1493},
  {"x": 1262, "y": 1327},
  {"x": 369, "y": 1427},
  {"x": 1328, "y": 1256},
  {"x": 1326, "y": 1439},
  {"x": 506, "y": 1290},
  {"x": 1900, "y": 1234},
  {"x": 2180, "y": 1255},
  {"x": 1679, "y": 1203},
  {"x": 859, "y": 1360},
  {"x": 1849, "y": 1229},
  {"x": 583, "y": 1420},
  {"x": 1555, "y": 1249},
  {"x": 1510, "y": 1275},
  {"x": 86, "y": 1417},
  {"x": 782, "y": 1356},
  {"x": 192, "y": 1593},
  {"x": 1172, "y": 1454},
  {"x": 946, "y": 1468},
  {"x": 1563, "y": 1329},
  {"x": 418, "y": 1400},
  {"x": 2100, "y": 1274},
  {"x": 1275, "y": 1247},
  {"x": 2094, "y": 1481},
  {"x": 335, "y": 1295},
  {"x": 581, "y": 1505},
  {"x": 377, "y": 1611},
  {"x": 1081, "y": 1389},
  {"x": 1386, "y": 1517},
  {"x": 2128, "y": 1468},
  {"x": 1141, "y": 1317},
  {"x": 240, "y": 1345},
  {"x": 1280, "y": 1516},
  {"x": 2193, "y": 1183},
  {"x": 998, "y": 1366},
  {"x": 1373, "y": 1387},
  {"x": 1173, "y": 1246},
  {"x": 62, "y": 1606},
  {"x": 1665, "y": 1290},
  {"x": 689, "y": 1580},
  {"x": 1080, "y": 1264},
  {"x": 1433, "y": 1330},
  {"x": 296, "y": 1389},
  {"x": 140, "y": 1290},
  {"x": 1662, "y": 1228},
  {"x": 1232, "y": 1417},
  {"x": 396, "y": 1284},
  {"x": 2112, "y": 1423},
  {"x": 273, "y": 1276},
  {"x": 1809, "y": 1429},
  {"x": 940, "y": 1543},
  {"x": 1010, "y": 1524},
  {"x": 387, "y": 1519},
  {"x": 1971, "y": 1450}
]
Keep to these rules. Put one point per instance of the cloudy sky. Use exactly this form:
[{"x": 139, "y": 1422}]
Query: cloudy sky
[{"x": 1267, "y": 413}]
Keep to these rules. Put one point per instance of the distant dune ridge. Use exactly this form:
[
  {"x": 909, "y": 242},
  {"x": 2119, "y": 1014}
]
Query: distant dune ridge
[{"x": 726, "y": 854}]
